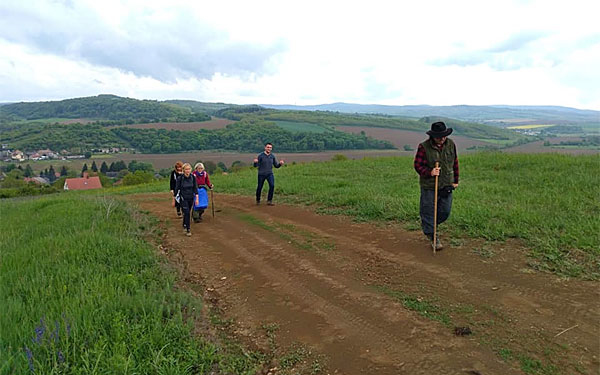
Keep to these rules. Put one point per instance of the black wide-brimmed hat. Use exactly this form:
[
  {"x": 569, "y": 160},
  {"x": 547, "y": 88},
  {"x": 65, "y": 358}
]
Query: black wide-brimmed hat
[{"x": 439, "y": 130}]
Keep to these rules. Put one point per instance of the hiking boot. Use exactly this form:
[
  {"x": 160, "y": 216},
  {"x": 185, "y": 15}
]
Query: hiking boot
[
  {"x": 257, "y": 203},
  {"x": 438, "y": 244},
  {"x": 270, "y": 203},
  {"x": 188, "y": 233},
  {"x": 178, "y": 213}
]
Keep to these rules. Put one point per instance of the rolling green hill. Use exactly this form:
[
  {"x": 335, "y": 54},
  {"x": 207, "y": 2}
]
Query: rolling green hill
[
  {"x": 36, "y": 125},
  {"x": 493, "y": 114},
  {"x": 102, "y": 107},
  {"x": 332, "y": 119}
]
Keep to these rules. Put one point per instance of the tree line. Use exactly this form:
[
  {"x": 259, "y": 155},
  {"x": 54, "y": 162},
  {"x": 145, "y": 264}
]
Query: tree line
[{"x": 248, "y": 135}]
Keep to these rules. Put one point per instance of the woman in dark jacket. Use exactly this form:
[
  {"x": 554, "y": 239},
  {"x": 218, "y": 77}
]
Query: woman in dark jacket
[
  {"x": 187, "y": 190},
  {"x": 174, "y": 174}
]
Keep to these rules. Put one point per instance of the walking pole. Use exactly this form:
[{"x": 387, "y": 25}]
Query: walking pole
[
  {"x": 435, "y": 199},
  {"x": 212, "y": 203}
]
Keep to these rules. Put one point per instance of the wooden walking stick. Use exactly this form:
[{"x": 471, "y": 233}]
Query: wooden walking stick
[
  {"x": 435, "y": 199},
  {"x": 212, "y": 203}
]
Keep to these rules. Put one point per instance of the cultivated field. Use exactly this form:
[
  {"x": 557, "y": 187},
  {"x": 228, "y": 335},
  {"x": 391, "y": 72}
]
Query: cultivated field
[
  {"x": 404, "y": 137},
  {"x": 77, "y": 121},
  {"x": 538, "y": 147},
  {"x": 168, "y": 160},
  {"x": 214, "y": 123}
]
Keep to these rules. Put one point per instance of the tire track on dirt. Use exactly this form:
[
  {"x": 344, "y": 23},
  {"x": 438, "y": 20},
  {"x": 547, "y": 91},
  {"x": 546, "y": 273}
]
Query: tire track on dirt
[
  {"x": 566, "y": 299},
  {"x": 385, "y": 343},
  {"x": 326, "y": 299},
  {"x": 533, "y": 304}
]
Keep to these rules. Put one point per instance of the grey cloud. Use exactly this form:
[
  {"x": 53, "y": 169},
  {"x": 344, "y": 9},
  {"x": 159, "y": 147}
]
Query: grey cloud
[
  {"x": 179, "y": 49},
  {"x": 517, "y": 41},
  {"x": 588, "y": 41},
  {"x": 511, "y": 54}
]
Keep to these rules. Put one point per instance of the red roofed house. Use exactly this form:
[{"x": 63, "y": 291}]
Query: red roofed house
[{"x": 83, "y": 183}]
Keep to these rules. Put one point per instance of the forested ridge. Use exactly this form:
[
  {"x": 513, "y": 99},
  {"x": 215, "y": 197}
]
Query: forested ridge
[
  {"x": 103, "y": 107},
  {"x": 243, "y": 136}
]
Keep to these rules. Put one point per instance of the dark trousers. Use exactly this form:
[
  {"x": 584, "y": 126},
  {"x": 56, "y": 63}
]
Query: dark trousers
[
  {"x": 426, "y": 210},
  {"x": 261, "y": 181},
  {"x": 197, "y": 214},
  {"x": 187, "y": 206}
]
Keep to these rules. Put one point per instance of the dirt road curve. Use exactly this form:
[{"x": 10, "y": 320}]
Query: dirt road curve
[{"x": 354, "y": 298}]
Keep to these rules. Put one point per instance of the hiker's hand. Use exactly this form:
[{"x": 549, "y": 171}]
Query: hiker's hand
[
  {"x": 256, "y": 160},
  {"x": 211, "y": 187},
  {"x": 455, "y": 185},
  {"x": 435, "y": 172},
  {"x": 173, "y": 203},
  {"x": 281, "y": 162},
  {"x": 171, "y": 192}
]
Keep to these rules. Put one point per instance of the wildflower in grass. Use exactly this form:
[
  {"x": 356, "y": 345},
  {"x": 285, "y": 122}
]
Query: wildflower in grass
[
  {"x": 55, "y": 335},
  {"x": 29, "y": 355},
  {"x": 39, "y": 332},
  {"x": 61, "y": 357}
]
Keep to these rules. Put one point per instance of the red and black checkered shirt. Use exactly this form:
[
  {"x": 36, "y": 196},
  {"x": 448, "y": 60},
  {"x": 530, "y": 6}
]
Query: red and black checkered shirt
[{"x": 421, "y": 163}]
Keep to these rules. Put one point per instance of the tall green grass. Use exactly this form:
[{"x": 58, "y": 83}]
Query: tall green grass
[
  {"x": 549, "y": 201},
  {"x": 81, "y": 292}
]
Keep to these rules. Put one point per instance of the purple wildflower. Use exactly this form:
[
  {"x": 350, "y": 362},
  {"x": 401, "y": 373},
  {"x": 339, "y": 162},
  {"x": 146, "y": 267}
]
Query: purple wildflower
[
  {"x": 29, "y": 355},
  {"x": 61, "y": 357},
  {"x": 39, "y": 332}
]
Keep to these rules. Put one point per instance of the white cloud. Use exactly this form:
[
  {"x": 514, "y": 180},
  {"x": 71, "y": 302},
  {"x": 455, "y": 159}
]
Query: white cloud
[{"x": 431, "y": 52}]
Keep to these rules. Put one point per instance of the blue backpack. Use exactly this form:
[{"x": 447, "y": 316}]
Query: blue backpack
[{"x": 202, "y": 199}]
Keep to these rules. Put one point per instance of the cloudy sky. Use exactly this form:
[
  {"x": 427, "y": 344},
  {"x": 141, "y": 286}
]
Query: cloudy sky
[{"x": 304, "y": 52}]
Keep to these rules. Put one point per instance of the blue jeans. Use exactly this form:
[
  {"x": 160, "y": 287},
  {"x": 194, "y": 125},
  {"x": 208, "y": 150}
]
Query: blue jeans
[
  {"x": 261, "y": 181},
  {"x": 426, "y": 210}
]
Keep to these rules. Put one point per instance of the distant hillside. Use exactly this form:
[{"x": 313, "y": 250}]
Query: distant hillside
[
  {"x": 332, "y": 119},
  {"x": 497, "y": 114},
  {"x": 195, "y": 106},
  {"x": 102, "y": 107}
]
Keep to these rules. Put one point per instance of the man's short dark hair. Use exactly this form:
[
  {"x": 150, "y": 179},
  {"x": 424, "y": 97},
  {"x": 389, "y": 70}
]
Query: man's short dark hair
[{"x": 268, "y": 143}]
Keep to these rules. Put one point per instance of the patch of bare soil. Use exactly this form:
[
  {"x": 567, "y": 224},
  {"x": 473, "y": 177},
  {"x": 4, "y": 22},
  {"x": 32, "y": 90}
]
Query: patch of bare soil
[{"x": 342, "y": 297}]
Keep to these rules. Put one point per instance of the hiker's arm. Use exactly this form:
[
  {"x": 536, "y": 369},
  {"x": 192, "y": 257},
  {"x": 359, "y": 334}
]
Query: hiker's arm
[{"x": 420, "y": 163}]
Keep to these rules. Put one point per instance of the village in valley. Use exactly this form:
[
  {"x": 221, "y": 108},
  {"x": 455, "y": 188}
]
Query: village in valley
[{"x": 86, "y": 180}]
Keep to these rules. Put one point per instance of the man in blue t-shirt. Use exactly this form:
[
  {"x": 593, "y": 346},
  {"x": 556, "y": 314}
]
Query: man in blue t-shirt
[{"x": 265, "y": 162}]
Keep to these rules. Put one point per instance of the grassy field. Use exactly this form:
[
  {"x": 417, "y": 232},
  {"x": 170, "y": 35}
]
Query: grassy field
[
  {"x": 301, "y": 126},
  {"x": 83, "y": 293},
  {"x": 547, "y": 200}
]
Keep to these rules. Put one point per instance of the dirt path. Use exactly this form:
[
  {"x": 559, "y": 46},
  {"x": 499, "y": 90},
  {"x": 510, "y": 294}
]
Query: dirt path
[{"x": 326, "y": 293}]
